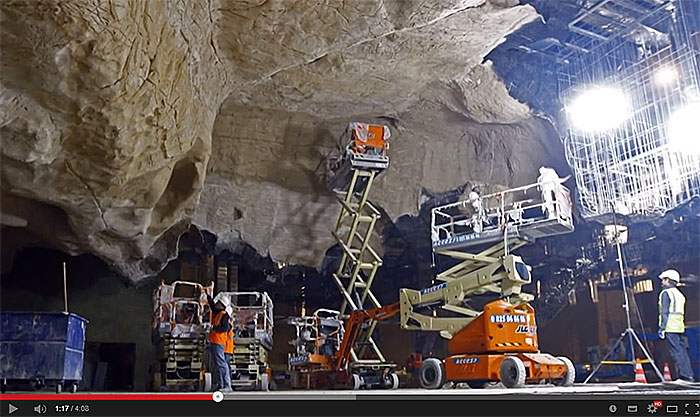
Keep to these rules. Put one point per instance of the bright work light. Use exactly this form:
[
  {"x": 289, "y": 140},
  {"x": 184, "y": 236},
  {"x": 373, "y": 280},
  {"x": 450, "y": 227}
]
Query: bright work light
[
  {"x": 598, "y": 109},
  {"x": 665, "y": 76},
  {"x": 684, "y": 128}
]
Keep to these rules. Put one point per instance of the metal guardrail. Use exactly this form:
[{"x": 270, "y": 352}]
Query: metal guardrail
[
  {"x": 254, "y": 320},
  {"x": 522, "y": 208}
]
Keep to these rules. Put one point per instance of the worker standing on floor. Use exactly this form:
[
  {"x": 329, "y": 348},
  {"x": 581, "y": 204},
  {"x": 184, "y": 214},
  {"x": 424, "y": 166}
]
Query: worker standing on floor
[
  {"x": 671, "y": 322},
  {"x": 228, "y": 349},
  {"x": 218, "y": 335}
]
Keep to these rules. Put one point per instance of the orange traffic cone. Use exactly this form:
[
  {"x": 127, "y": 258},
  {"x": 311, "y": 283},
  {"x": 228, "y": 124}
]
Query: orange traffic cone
[
  {"x": 667, "y": 373},
  {"x": 639, "y": 373}
]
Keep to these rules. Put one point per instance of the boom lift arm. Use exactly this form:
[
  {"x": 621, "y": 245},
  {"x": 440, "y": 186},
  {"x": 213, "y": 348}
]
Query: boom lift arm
[
  {"x": 505, "y": 275},
  {"x": 352, "y": 330}
]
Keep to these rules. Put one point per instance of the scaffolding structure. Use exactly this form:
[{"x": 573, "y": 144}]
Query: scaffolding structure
[{"x": 634, "y": 168}]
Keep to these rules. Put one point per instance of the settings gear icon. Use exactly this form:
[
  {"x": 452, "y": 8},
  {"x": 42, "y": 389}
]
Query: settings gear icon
[{"x": 651, "y": 408}]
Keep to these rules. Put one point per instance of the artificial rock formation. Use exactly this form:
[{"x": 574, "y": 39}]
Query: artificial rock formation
[{"x": 122, "y": 121}]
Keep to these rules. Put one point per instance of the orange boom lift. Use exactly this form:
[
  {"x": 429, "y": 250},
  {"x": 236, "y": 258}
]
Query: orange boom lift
[
  {"x": 323, "y": 348},
  {"x": 497, "y": 342}
]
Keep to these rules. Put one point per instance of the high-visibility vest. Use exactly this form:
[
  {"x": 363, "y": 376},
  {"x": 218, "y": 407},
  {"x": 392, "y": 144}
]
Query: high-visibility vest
[
  {"x": 218, "y": 338},
  {"x": 676, "y": 310},
  {"x": 228, "y": 347}
]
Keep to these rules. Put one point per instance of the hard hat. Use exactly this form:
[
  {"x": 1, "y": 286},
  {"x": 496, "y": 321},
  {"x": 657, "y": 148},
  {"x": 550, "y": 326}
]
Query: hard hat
[
  {"x": 220, "y": 297},
  {"x": 671, "y": 274}
]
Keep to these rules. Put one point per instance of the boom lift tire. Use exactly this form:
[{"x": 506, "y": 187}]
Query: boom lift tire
[
  {"x": 570, "y": 376},
  {"x": 512, "y": 372},
  {"x": 432, "y": 374}
]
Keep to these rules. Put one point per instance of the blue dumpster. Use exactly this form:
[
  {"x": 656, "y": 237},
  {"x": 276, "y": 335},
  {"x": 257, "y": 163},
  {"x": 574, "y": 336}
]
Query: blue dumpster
[{"x": 42, "y": 349}]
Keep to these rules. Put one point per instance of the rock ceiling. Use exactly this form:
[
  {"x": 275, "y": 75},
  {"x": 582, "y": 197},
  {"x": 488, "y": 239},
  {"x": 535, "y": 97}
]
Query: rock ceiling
[{"x": 123, "y": 121}]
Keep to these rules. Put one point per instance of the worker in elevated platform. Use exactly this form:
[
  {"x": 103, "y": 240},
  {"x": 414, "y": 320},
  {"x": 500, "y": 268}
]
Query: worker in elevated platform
[
  {"x": 222, "y": 312},
  {"x": 478, "y": 206},
  {"x": 548, "y": 181},
  {"x": 671, "y": 322}
]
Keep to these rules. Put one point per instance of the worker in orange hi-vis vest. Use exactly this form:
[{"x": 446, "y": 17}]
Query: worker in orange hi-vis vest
[
  {"x": 228, "y": 349},
  {"x": 218, "y": 335}
]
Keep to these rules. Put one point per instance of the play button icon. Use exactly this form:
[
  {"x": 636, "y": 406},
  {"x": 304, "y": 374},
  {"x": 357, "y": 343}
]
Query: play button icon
[{"x": 11, "y": 408}]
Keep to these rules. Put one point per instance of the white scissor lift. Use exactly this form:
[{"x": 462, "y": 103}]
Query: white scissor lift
[
  {"x": 253, "y": 323},
  {"x": 359, "y": 261}
]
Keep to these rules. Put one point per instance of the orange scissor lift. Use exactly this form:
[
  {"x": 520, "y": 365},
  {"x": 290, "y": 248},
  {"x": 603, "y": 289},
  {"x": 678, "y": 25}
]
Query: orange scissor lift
[{"x": 499, "y": 341}]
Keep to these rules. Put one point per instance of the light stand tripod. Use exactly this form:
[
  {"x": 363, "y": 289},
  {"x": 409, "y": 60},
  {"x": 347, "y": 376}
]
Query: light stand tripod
[{"x": 629, "y": 331}]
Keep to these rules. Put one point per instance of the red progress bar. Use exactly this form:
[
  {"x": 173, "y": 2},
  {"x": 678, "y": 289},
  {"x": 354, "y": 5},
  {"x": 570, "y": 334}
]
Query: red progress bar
[{"x": 81, "y": 397}]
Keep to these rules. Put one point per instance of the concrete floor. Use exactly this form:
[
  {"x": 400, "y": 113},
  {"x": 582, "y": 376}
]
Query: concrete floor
[{"x": 579, "y": 389}]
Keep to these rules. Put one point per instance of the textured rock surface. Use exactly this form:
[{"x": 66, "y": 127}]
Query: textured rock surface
[
  {"x": 107, "y": 111},
  {"x": 123, "y": 120}
]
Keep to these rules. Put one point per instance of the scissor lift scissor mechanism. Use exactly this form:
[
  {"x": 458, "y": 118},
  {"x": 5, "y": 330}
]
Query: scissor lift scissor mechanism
[
  {"x": 359, "y": 262},
  {"x": 253, "y": 324},
  {"x": 180, "y": 325},
  {"x": 366, "y": 157}
]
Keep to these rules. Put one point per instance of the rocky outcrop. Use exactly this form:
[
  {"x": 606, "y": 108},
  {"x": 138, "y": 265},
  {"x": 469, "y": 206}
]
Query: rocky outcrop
[
  {"x": 122, "y": 121},
  {"x": 107, "y": 111}
]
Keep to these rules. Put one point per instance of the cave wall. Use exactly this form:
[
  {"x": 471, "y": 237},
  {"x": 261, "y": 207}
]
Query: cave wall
[
  {"x": 106, "y": 116},
  {"x": 110, "y": 112},
  {"x": 459, "y": 132}
]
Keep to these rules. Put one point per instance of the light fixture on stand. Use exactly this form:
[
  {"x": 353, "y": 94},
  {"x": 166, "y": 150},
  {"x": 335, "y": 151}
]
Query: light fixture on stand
[{"x": 617, "y": 235}]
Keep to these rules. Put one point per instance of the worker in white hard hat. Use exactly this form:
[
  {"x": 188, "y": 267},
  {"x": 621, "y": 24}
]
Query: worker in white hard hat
[
  {"x": 221, "y": 311},
  {"x": 671, "y": 323}
]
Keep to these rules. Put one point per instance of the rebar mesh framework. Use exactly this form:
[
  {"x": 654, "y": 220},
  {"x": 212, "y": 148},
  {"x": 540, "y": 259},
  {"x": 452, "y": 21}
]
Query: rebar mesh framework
[{"x": 635, "y": 168}]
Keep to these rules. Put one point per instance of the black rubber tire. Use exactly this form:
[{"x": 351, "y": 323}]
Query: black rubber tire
[
  {"x": 74, "y": 387},
  {"x": 570, "y": 376},
  {"x": 432, "y": 374},
  {"x": 59, "y": 388},
  {"x": 512, "y": 372}
]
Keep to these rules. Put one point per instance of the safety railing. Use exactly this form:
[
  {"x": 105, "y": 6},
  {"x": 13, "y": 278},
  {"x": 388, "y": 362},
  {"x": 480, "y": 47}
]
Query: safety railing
[
  {"x": 525, "y": 207},
  {"x": 252, "y": 314},
  {"x": 314, "y": 332},
  {"x": 181, "y": 309}
]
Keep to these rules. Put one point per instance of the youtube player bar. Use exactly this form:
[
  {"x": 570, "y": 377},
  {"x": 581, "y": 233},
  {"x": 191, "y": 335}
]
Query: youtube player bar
[{"x": 327, "y": 403}]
